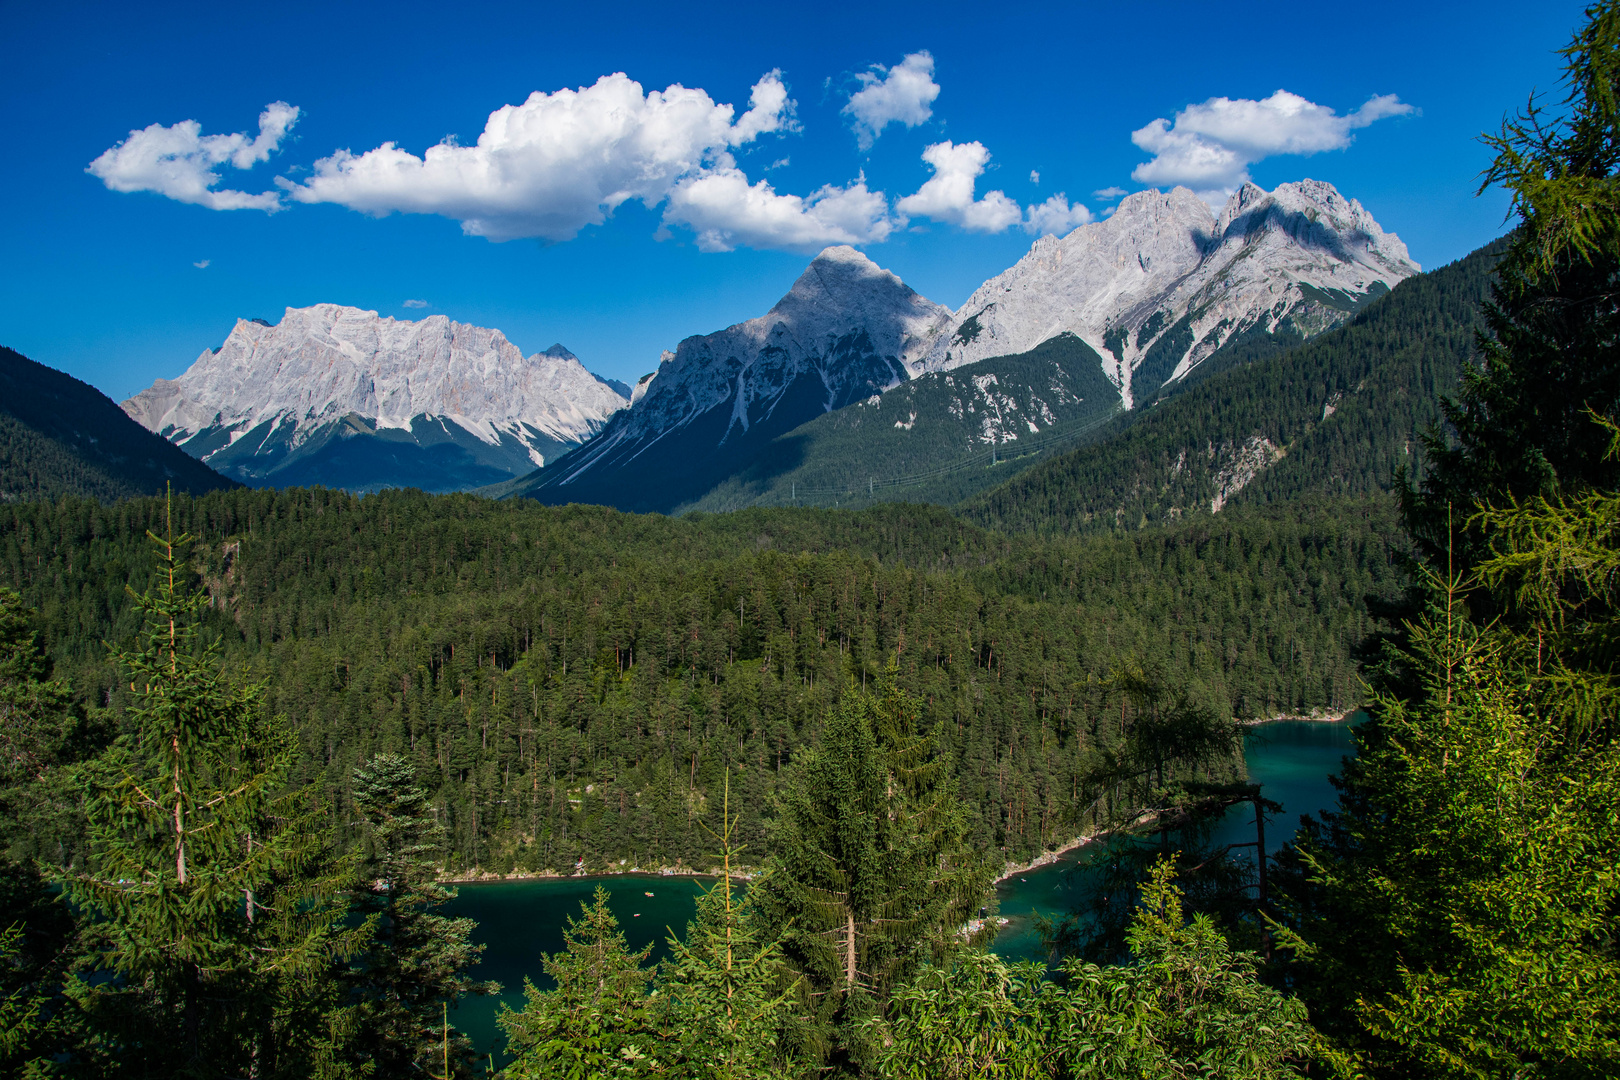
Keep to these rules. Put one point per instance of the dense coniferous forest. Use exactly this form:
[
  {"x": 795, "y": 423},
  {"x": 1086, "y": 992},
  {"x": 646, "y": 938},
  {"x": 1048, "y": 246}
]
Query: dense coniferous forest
[
  {"x": 244, "y": 735},
  {"x": 577, "y": 681},
  {"x": 1334, "y": 416}
]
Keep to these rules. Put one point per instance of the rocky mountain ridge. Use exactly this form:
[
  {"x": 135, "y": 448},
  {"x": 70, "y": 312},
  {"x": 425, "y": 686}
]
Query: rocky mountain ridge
[
  {"x": 433, "y": 403},
  {"x": 847, "y": 329},
  {"x": 1165, "y": 283}
]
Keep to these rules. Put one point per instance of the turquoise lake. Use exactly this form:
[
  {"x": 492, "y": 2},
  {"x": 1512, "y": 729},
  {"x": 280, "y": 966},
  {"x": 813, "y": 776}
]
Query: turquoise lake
[{"x": 520, "y": 920}]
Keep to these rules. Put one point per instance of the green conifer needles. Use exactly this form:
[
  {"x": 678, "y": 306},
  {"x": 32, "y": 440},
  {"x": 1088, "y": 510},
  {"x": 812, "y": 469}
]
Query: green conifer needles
[
  {"x": 872, "y": 873},
  {"x": 1185, "y": 1005},
  {"x": 213, "y": 900}
]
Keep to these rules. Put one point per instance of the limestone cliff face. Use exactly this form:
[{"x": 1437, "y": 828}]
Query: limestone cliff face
[
  {"x": 1165, "y": 282},
  {"x": 275, "y": 401}
]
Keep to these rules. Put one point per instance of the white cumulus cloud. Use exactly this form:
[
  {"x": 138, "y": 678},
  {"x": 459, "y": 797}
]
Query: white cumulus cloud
[
  {"x": 202, "y": 265},
  {"x": 1209, "y": 147},
  {"x": 902, "y": 94},
  {"x": 1055, "y": 217},
  {"x": 181, "y": 162},
  {"x": 556, "y": 163},
  {"x": 1108, "y": 194},
  {"x": 948, "y": 195},
  {"x": 726, "y": 212},
  {"x": 416, "y": 303}
]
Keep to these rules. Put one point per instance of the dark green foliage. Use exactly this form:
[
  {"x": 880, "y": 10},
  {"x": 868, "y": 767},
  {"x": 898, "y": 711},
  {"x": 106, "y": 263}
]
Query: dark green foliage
[
  {"x": 1519, "y": 426},
  {"x": 910, "y": 438},
  {"x": 1334, "y": 417},
  {"x": 1185, "y": 1005},
  {"x": 212, "y": 906},
  {"x": 1457, "y": 916},
  {"x": 871, "y": 872},
  {"x": 595, "y": 1022},
  {"x": 59, "y": 436},
  {"x": 623, "y": 665},
  {"x": 416, "y": 959}
]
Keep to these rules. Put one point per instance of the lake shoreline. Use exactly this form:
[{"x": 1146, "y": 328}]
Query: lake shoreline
[
  {"x": 1315, "y": 716},
  {"x": 1047, "y": 858},
  {"x": 1009, "y": 871},
  {"x": 744, "y": 874}
]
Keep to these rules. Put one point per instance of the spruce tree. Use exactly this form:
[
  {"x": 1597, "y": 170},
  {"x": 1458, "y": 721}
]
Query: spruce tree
[
  {"x": 1457, "y": 915},
  {"x": 722, "y": 996},
  {"x": 213, "y": 903},
  {"x": 417, "y": 960},
  {"x": 871, "y": 872},
  {"x": 595, "y": 1022}
]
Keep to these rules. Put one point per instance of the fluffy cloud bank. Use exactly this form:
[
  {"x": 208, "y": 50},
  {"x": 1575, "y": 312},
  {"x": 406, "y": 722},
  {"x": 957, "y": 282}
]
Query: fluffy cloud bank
[
  {"x": 181, "y": 162},
  {"x": 903, "y": 94},
  {"x": 565, "y": 160},
  {"x": 1209, "y": 147},
  {"x": 556, "y": 163}
]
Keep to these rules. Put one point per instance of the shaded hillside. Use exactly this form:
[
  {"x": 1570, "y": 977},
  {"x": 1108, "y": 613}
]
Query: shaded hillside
[
  {"x": 1333, "y": 417},
  {"x": 60, "y": 436},
  {"x": 931, "y": 439}
]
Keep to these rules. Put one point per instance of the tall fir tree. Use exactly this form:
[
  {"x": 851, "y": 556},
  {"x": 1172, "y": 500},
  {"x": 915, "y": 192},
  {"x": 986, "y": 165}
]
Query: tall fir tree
[
  {"x": 213, "y": 903},
  {"x": 871, "y": 872},
  {"x": 724, "y": 994},
  {"x": 417, "y": 960},
  {"x": 1456, "y": 917},
  {"x": 595, "y": 1022}
]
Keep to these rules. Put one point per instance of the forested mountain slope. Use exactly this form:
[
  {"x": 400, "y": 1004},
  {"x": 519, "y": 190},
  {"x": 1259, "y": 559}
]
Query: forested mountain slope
[
  {"x": 1333, "y": 417},
  {"x": 575, "y": 682},
  {"x": 60, "y": 436},
  {"x": 937, "y": 438}
]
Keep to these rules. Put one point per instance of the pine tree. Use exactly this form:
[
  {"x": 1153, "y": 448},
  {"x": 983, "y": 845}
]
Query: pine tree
[
  {"x": 721, "y": 997},
  {"x": 417, "y": 960},
  {"x": 871, "y": 872},
  {"x": 595, "y": 1022},
  {"x": 1457, "y": 916},
  {"x": 214, "y": 905}
]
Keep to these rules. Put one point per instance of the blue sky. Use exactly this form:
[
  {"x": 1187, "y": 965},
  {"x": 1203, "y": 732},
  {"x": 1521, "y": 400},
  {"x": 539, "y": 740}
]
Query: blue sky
[{"x": 105, "y": 283}]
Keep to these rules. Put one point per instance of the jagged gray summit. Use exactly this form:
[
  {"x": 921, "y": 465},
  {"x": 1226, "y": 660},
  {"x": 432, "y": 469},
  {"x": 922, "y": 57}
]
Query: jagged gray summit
[{"x": 339, "y": 396}]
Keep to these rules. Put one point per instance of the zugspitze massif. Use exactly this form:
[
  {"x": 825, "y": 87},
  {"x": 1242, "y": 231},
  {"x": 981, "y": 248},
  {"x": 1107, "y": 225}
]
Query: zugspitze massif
[
  {"x": 1162, "y": 288},
  {"x": 338, "y": 396}
]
